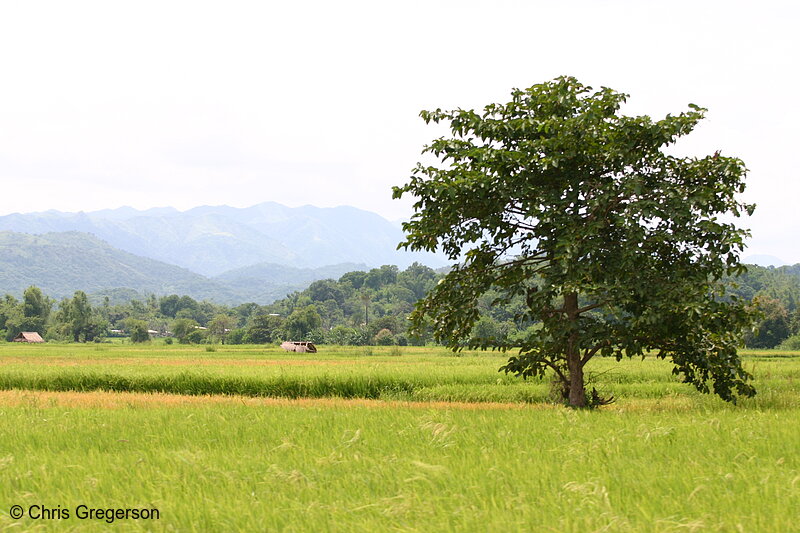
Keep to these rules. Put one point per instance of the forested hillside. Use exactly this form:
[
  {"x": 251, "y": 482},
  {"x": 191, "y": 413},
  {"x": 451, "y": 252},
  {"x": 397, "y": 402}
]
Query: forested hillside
[
  {"x": 777, "y": 290},
  {"x": 60, "y": 263}
]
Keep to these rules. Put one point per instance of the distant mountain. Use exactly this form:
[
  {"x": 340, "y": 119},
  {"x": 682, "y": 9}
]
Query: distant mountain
[
  {"x": 213, "y": 240},
  {"x": 61, "y": 263},
  {"x": 267, "y": 282},
  {"x": 764, "y": 260}
]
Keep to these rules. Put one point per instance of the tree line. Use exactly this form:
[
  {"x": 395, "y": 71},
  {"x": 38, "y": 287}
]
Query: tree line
[{"x": 360, "y": 308}]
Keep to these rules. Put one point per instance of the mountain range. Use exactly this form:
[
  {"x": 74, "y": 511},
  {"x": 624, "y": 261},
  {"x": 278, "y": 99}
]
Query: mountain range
[
  {"x": 224, "y": 254},
  {"x": 61, "y": 263},
  {"x": 213, "y": 240}
]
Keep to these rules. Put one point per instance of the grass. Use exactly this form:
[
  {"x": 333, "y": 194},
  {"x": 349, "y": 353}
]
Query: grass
[
  {"x": 419, "y": 374},
  {"x": 362, "y": 456}
]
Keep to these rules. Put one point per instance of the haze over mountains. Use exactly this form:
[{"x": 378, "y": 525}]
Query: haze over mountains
[
  {"x": 219, "y": 253},
  {"x": 212, "y": 240}
]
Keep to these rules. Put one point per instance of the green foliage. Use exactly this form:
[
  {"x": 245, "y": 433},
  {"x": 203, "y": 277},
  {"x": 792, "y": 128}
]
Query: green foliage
[
  {"x": 35, "y": 310},
  {"x": 385, "y": 337},
  {"x": 616, "y": 246},
  {"x": 198, "y": 336},
  {"x": 137, "y": 330},
  {"x": 220, "y": 326},
  {"x": 237, "y": 336},
  {"x": 182, "y": 328},
  {"x": 264, "y": 329},
  {"x": 78, "y": 321},
  {"x": 774, "y": 326},
  {"x": 301, "y": 322},
  {"x": 792, "y": 343}
]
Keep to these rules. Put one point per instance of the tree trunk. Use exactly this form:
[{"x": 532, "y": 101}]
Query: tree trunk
[{"x": 577, "y": 392}]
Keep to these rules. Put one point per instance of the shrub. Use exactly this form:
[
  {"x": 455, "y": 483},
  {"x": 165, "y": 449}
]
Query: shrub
[
  {"x": 384, "y": 338},
  {"x": 138, "y": 329},
  {"x": 792, "y": 343},
  {"x": 236, "y": 336},
  {"x": 317, "y": 336},
  {"x": 197, "y": 336}
]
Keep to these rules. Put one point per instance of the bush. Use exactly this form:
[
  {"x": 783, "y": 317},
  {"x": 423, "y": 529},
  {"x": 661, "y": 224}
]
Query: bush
[
  {"x": 138, "y": 329},
  {"x": 341, "y": 335},
  {"x": 236, "y": 336},
  {"x": 197, "y": 336},
  {"x": 317, "y": 336},
  {"x": 384, "y": 338},
  {"x": 792, "y": 343}
]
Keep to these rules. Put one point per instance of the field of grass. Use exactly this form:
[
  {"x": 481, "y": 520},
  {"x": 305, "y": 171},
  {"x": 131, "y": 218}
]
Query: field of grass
[{"x": 354, "y": 439}]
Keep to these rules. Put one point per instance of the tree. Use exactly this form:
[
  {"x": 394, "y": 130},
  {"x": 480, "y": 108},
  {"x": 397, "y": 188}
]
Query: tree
[
  {"x": 182, "y": 328},
  {"x": 617, "y": 247},
  {"x": 774, "y": 327},
  {"x": 263, "y": 329},
  {"x": 302, "y": 321},
  {"x": 417, "y": 278},
  {"x": 221, "y": 325},
  {"x": 11, "y": 317},
  {"x": 137, "y": 330},
  {"x": 355, "y": 279},
  {"x": 77, "y": 319},
  {"x": 325, "y": 289},
  {"x": 36, "y": 309},
  {"x": 365, "y": 295}
]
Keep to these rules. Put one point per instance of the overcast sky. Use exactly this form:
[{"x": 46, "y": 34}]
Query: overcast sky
[{"x": 105, "y": 104}]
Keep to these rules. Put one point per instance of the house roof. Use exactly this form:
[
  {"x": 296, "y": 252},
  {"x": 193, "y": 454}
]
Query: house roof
[{"x": 28, "y": 336}]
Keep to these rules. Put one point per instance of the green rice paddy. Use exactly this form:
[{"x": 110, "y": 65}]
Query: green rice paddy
[{"x": 255, "y": 439}]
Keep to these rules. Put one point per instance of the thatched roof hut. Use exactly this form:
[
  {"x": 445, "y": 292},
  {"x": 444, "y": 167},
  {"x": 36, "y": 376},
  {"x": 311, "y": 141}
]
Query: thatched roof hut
[
  {"x": 28, "y": 336},
  {"x": 299, "y": 346}
]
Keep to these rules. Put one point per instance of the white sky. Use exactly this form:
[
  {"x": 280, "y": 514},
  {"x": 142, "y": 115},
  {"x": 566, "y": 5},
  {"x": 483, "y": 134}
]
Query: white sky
[{"x": 106, "y": 103}]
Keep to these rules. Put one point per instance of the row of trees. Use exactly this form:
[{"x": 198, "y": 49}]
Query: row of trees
[
  {"x": 360, "y": 308},
  {"x": 777, "y": 293},
  {"x": 352, "y": 310}
]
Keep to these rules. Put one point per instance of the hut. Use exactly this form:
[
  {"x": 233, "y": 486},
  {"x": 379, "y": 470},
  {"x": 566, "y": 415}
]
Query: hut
[
  {"x": 299, "y": 346},
  {"x": 28, "y": 336}
]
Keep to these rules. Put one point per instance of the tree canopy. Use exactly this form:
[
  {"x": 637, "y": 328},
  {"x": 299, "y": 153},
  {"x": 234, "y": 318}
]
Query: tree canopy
[{"x": 617, "y": 246}]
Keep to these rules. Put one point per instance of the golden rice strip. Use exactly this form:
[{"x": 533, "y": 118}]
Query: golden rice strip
[
  {"x": 112, "y": 400},
  {"x": 118, "y": 400}
]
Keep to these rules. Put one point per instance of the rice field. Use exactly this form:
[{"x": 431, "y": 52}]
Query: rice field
[{"x": 353, "y": 439}]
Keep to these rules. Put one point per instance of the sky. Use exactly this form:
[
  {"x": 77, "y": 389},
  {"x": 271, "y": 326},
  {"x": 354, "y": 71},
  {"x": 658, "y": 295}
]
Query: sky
[{"x": 166, "y": 103}]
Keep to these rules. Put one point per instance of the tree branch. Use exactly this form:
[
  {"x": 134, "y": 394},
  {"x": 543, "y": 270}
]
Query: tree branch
[
  {"x": 590, "y": 352},
  {"x": 590, "y": 307}
]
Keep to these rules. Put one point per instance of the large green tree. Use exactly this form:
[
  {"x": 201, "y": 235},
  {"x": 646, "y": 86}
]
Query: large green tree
[
  {"x": 302, "y": 321},
  {"x": 36, "y": 309},
  {"x": 617, "y": 246}
]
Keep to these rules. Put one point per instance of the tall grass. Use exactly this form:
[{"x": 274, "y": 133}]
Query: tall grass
[
  {"x": 663, "y": 458},
  {"x": 237, "y": 468}
]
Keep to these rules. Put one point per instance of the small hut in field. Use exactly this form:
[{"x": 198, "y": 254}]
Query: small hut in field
[
  {"x": 28, "y": 336},
  {"x": 299, "y": 346}
]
